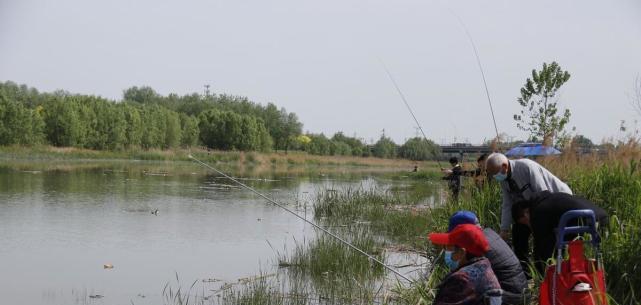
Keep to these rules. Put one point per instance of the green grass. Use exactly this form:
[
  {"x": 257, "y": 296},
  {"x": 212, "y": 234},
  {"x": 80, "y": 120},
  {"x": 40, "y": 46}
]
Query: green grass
[
  {"x": 325, "y": 257},
  {"x": 321, "y": 270}
]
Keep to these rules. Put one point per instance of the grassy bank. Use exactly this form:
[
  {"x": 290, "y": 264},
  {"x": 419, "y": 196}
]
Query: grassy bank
[
  {"x": 273, "y": 159},
  {"x": 612, "y": 181}
]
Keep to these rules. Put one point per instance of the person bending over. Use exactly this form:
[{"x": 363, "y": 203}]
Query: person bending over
[{"x": 542, "y": 213}]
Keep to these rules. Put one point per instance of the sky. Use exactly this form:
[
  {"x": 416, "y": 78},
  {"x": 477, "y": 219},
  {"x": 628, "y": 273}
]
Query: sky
[{"x": 323, "y": 59}]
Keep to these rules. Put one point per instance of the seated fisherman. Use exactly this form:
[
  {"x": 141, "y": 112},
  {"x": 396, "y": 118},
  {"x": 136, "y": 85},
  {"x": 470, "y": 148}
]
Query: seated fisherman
[
  {"x": 505, "y": 265},
  {"x": 472, "y": 281},
  {"x": 542, "y": 213}
]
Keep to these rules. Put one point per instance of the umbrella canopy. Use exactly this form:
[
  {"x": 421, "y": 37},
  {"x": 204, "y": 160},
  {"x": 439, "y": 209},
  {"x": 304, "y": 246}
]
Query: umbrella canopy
[{"x": 532, "y": 149}]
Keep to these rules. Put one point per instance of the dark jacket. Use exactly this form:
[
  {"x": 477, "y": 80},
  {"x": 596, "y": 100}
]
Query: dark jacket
[
  {"x": 545, "y": 213},
  {"x": 506, "y": 267},
  {"x": 454, "y": 178},
  {"x": 467, "y": 285}
]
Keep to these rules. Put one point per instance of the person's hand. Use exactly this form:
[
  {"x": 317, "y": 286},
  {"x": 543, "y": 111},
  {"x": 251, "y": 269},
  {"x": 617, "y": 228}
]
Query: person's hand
[
  {"x": 446, "y": 171},
  {"x": 505, "y": 234}
]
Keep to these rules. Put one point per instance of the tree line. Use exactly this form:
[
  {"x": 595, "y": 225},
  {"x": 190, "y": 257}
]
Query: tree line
[{"x": 146, "y": 119}]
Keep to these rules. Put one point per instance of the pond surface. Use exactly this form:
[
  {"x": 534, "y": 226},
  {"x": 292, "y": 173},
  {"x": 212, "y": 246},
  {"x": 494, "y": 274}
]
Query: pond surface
[{"x": 60, "y": 226}]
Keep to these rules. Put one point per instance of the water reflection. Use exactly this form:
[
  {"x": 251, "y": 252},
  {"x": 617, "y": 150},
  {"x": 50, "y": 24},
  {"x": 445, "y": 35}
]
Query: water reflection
[{"x": 61, "y": 223}]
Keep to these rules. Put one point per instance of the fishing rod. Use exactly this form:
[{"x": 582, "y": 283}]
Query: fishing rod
[
  {"x": 302, "y": 218},
  {"x": 478, "y": 61},
  {"x": 389, "y": 74}
]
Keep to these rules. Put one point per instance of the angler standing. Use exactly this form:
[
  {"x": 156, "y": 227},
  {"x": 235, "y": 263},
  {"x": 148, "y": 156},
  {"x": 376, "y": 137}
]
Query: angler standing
[
  {"x": 479, "y": 173},
  {"x": 453, "y": 177},
  {"x": 520, "y": 179}
]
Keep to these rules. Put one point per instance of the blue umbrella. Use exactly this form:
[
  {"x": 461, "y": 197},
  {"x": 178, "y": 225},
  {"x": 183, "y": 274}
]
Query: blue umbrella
[{"x": 532, "y": 149}]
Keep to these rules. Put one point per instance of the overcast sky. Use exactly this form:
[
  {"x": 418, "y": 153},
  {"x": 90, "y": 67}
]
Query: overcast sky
[{"x": 320, "y": 59}]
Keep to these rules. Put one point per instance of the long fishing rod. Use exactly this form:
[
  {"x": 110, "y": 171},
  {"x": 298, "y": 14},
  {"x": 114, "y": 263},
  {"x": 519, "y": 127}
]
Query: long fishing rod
[
  {"x": 398, "y": 89},
  {"x": 302, "y": 218},
  {"x": 478, "y": 61}
]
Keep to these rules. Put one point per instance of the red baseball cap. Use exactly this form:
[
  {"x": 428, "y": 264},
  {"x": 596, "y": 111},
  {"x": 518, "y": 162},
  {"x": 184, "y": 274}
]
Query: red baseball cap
[{"x": 466, "y": 236}]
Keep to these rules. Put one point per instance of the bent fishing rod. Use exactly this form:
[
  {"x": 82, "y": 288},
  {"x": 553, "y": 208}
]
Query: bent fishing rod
[
  {"x": 398, "y": 89},
  {"x": 300, "y": 217},
  {"x": 478, "y": 61}
]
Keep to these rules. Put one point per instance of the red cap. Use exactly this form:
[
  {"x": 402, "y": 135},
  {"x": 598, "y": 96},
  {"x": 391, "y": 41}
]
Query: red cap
[{"x": 466, "y": 236}]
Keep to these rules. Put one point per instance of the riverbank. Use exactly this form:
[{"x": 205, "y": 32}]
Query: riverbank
[
  {"x": 392, "y": 218},
  {"x": 239, "y": 158}
]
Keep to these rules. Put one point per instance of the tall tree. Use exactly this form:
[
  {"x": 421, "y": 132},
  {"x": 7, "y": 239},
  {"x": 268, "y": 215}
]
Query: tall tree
[
  {"x": 385, "y": 148},
  {"x": 539, "y": 114},
  {"x": 189, "y": 130},
  {"x": 62, "y": 120},
  {"x": 419, "y": 149}
]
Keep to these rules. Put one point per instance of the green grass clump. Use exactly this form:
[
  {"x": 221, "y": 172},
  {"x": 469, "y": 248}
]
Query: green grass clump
[{"x": 326, "y": 257}]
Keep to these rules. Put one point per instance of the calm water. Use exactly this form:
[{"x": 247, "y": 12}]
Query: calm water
[{"x": 58, "y": 227}]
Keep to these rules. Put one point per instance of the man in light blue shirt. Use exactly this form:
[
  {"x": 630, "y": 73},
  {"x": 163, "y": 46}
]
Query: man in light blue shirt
[{"x": 520, "y": 179}]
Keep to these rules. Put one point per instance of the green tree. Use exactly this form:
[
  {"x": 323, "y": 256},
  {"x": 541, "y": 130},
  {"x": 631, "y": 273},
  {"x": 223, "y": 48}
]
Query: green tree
[
  {"x": 384, "y": 148},
  {"x": 357, "y": 147},
  {"x": 582, "y": 141},
  {"x": 153, "y": 122},
  {"x": 538, "y": 100},
  {"x": 340, "y": 148},
  {"x": 62, "y": 122},
  {"x": 19, "y": 124},
  {"x": 172, "y": 134},
  {"x": 319, "y": 145},
  {"x": 142, "y": 95},
  {"x": 419, "y": 149},
  {"x": 133, "y": 125},
  {"x": 228, "y": 130},
  {"x": 189, "y": 130}
]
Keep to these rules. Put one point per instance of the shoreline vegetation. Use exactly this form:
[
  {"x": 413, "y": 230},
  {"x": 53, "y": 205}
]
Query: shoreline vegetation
[
  {"x": 237, "y": 159},
  {"x": 612, "y": 181},
  {"x": 142, "y": 118}
]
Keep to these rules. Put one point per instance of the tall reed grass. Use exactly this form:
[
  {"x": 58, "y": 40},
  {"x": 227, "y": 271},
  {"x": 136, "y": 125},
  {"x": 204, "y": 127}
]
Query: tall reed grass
[{"x": 612, "y": 181}]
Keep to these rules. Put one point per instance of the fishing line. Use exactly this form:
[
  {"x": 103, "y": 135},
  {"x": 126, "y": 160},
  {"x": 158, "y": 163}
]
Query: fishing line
[
  {"x": 302, "y": 218},
  {"x": 478, "y": 61},
  {"x": 389, "y": 74}
]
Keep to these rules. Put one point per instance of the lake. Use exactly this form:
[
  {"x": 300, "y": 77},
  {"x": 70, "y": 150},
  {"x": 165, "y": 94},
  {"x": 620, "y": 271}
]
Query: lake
[{"x": 63, "y": 226}]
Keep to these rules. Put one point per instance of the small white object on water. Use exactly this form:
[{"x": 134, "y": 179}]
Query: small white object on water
[{"x": 155, "y": 212}]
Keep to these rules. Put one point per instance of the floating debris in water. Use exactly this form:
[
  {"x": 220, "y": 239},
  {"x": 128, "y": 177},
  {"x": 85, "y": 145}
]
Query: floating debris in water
[
  {"x": 250, "y": 279},
  {"x": 107, "y": 266},
  {"x": 96, "y": 296},
  {"x": 155, "y": 212},
  {"x": 164, "y": 174},
  {"x": 212, "y": 280}
]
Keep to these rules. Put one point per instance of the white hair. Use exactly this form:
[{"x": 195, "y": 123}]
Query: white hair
[{"x": 495, "y": 160}]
